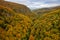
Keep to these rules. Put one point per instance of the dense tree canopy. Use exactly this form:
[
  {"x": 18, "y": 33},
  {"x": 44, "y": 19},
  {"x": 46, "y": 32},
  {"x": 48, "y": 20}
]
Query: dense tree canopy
[
  {"x": 48, "y": 26},
  {"x": 14, "y": 25}
]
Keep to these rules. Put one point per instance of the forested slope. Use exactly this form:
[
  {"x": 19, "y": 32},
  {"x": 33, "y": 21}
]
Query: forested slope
[
  {"x": 45, "y": 10},
  {"x": 18, "y": 8},
  {"x": 17, "y": 25},
  {"x": 47, "y": 27},
  {"x": 13, "y": 26}
]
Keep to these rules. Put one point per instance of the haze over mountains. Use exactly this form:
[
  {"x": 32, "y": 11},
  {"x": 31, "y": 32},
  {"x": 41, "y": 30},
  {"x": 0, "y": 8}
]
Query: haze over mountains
[
  {"x": 45, "y": 10},
  {"x": 18, "y": 22}
]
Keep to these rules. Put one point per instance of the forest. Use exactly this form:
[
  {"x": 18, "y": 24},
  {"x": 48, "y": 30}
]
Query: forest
[{"x": 18, "y": 22}]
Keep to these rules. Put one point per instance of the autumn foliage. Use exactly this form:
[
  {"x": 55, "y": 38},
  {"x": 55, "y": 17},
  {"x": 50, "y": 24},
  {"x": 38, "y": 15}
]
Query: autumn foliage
[{"x": 15, "y": 25}]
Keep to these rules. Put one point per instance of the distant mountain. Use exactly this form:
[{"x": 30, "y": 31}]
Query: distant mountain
[{"x": 46, "y": 10}]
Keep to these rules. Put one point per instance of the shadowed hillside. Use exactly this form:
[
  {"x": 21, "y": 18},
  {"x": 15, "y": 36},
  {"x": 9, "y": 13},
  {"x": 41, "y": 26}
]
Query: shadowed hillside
[{"x": 18, "y": 8}]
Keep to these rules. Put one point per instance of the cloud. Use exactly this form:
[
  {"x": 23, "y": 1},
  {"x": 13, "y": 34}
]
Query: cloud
[
  {"x": 33, "y": 4},
  {"x": 41, "y": 5}
]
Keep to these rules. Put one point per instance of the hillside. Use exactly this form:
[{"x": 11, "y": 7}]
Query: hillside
[
  {"x": 13, "y": 25},
  {"x": 18, "y": 25},
  {"x": 18, "y": 8},
  {"x": 47, "y": 27},
  {"x": 45, "y": 10}
]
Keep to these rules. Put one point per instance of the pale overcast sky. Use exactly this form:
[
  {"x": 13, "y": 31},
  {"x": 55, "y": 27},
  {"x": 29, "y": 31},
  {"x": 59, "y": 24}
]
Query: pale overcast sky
[{"x": 37, "y": 3}]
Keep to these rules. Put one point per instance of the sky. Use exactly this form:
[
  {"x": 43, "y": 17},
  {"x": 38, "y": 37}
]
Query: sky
[{"x": 33, "y": 4}]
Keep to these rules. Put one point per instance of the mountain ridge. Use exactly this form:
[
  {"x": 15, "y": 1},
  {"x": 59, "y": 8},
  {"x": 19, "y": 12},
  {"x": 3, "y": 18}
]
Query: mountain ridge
[
  {"x": 19, "y": 8},
  {"x": 46, "y": 10}
]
